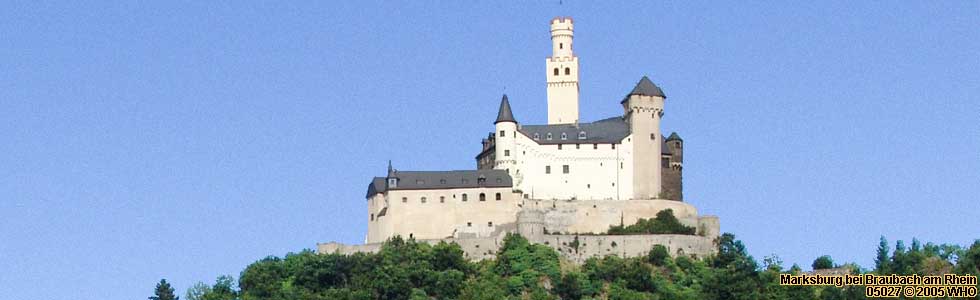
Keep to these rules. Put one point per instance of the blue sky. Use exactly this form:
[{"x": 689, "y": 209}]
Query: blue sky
[{"x": 185, "y": 140}]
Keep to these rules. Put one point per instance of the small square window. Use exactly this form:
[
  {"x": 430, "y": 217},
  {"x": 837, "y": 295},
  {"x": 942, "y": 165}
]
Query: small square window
[
  {"x": 577, "y": 146},
  {"x": 564, "y": 169},
  {"x": 404, "y": 199},
  {"x": 506, "y": 152},
  {"x": 501, "y": 133},
  {"x": 469, "y": 224},
  {"x": 464, "y": 198},
  {"x": 595, "y": 146},
  {"x": 498, "y": 196},
  {"x": 489, "y": 224},
  {"x": 442, "y": 199},
  {"x": 653, "y": 136},
  {"x": 564, "y": 136},
  {"x": 614, "y": 146},
  {"x": 423, "y": 200},
  {"x": 547, "y": 169},
  {"x": 559, "y": 146},
  {"x": 549, "y": 136},
  {"x": 537, "y": 136}
]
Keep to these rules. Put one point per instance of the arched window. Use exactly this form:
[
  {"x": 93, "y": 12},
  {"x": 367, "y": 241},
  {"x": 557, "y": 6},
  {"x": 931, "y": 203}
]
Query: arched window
[
  {"x": 537, "y": 136},
  {"x": 568, "y": 71},
  {"x": 581, "y": 135},
  {"x": 561, "y": 46},
  {"x": 464, "y": 197},
  {"x": 483, "y": 197},
  {"x": 556, "y": 71},
  {"x": 498, "y": 196},
  {"x": 564, "y": 136},
  {"x": 549, "y": 136}
]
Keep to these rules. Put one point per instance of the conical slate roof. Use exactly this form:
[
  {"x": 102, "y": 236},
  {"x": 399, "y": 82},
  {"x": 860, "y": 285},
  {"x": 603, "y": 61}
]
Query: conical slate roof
[
  {"x": 646, "y": 88},
  {"x": 505, "y": 115},
  {"x": 674, "y": 136}
]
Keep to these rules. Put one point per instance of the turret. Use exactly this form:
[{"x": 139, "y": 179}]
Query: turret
[
  {"x": 506, "y": 144},
  {"x": 675, "y": 145},
  {"x": 562, "y": 74},
  {"x": 644, "y": 106}
]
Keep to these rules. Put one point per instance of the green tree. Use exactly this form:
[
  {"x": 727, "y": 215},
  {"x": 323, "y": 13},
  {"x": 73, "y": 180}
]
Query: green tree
[
  {"x": 197, "y": 291},
  {"x": 658, "y": 255},
  {"x": 882, "y": 262},
  {"x": 823, "y": 262},
  {"x": 163, "y": 291}
]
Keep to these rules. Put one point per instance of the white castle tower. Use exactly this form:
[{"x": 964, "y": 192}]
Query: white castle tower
[
  {"x": 562, "y": 74},
  {"x": 644, "y": 106},
  {"x": 506, "y": 140}
]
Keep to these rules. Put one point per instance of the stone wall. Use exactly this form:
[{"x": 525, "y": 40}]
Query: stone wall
[
  {"x": 671, "y": 186},
  {"x": 575, "y": 248}
]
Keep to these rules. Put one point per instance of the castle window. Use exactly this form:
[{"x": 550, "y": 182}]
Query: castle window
[
  {"x": 464, "y": 197},
  {"x": 620, "y": 165},
  {"x": 547, "y": 169},
  {"x": 564, "y": 169},
  {"x": 489, "y": 224},
  {"x": 576, "y": 146},
  {"x": 498, "y": 196},
  {"x": 568, "y": 71},
  {"x": 595, "y": 146},
  {"x": 404, "y": 199},
  {"x": 581, "y": 135},
  {"x": 501, "y": 133},
  {"x": 423, "y": 200},
  {"x": 653, "y": 136},
  {"x": 372, "y": 217},
  {"x": 537, "y": 136},
  {"x": 556, "y": 71},
  {"x": 561, "y": 46},
  {"x": 442, "y": 199},
  {"x": 588, "y": 186},
  {"x": 559, "y": 146},
  {"x": 613, "y": 146},
  {"x": 442, "y": 181},
  {"x": 481, "y": 180},
  {"x": 506, "y": 152},
  {"x": 469, "y": 224},
  {"x": 393, "y": 182},
  {"x": 549, "y": 136},
  {"x": 564, "y": 136},
  {"x": 483, "y": 197}
]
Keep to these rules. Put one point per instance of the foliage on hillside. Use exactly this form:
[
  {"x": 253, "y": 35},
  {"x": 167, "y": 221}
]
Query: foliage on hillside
[
  {"x": 664, "y": 223},
  {"x": 405, "y": 269}
]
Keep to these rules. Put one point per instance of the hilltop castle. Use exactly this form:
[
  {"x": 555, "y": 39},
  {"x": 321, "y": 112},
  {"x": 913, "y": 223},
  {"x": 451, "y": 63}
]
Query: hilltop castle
[{"x": 562, "y": 184}]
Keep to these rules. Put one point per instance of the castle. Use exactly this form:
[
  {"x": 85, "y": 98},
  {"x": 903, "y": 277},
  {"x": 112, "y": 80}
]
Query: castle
[{"x": 562, "y": 184}]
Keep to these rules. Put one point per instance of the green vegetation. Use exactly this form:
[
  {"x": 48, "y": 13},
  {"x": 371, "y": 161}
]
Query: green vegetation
[
  {"x": 664, "y": 223},
  {"x": 405, "y": 269},
  {"x": 823, "y": 262}
]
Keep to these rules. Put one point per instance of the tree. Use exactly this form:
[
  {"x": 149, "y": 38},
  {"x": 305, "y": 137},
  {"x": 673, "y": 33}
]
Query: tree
[
  {"x": 882, "y": 262},
  {"x": 163, "y": 291},
  {"x": 197, "y": 291},
  {"x": 823, "y": 262}
]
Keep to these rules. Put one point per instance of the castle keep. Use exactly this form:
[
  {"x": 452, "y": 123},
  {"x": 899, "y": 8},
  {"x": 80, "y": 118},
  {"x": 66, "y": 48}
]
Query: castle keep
[{"x": 562, "y": 184}]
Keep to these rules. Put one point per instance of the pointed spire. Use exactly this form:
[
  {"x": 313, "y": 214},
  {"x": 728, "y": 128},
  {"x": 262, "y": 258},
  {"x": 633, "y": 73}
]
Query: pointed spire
[
  {"x": 391, "y": 171},
  {"x": 674, "y": 136},
  {"x": 505, "y": 115},
  {"x": 646, "y": 88}
]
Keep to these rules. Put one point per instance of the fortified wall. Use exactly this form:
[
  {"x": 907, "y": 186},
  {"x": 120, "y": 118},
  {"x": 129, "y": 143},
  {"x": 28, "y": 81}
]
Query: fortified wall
[{"x": 575, "y": 228}]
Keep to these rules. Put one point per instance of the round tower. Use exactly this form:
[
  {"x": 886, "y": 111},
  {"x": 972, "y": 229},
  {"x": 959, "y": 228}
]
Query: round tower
[
  {"x": 644, "y": 107},
  {"x": 562, "y": 74},
  {"x": 506, "y": 136}
]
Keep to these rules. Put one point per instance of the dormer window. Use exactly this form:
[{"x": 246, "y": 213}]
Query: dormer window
[
  {"x": 581, "y": 135},
  {"x": 393, "y": 182},
  {"x": 442, "y": 181},
  {"x": 549, "y": 136},
  {"x": 564, "y": 136},
  {"x": 537, "y": 136}
]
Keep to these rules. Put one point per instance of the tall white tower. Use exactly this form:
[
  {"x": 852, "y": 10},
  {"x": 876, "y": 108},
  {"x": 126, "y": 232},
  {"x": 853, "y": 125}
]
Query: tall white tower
[
  {"x": 562, "y": 74},
  {"x": 644, "y": 106}
]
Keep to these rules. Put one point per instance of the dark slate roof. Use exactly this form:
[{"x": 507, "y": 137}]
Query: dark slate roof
[
  {"x": 505, "y": 114},
  {"x": 674, "y": 136},
  {"x": 606, "y": 131},
  {"x": 421, "y": 180},
  {"x": 646, "y": 88},
  {"x": 377, "y": 185}
]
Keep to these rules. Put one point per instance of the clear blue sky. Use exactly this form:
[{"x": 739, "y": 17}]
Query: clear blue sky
[{"x": 141, "y": 141}]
